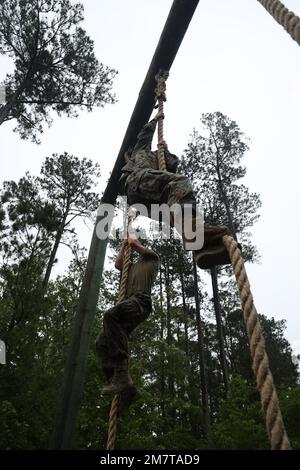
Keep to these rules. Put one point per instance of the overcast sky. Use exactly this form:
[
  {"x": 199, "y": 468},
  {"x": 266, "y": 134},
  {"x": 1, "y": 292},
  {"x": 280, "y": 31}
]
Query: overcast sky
[{"x": 235, "y": 59}]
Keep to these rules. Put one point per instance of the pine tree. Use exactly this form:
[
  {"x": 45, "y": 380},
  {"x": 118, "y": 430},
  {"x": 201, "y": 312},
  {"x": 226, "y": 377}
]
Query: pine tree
[
  {"x": 67, "y": 182},
  {"x": 55, "y": 65},
  {"x": 213, "y": 162}
]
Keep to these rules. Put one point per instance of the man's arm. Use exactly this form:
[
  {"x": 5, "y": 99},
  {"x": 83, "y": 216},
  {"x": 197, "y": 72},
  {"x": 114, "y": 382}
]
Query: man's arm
[
  {"x": 145, "y": 136},
  {"x": 119, "y": 258},
  {"x": 141, "y": 249},
  {"x": 171, "y": 161},
  {"x": 136, "y": 245}
]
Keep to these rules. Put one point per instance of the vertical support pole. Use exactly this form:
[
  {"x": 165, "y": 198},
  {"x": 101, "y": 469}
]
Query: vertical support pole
[
  {"x": 75, "y": 367},
  {"x": 176, "y": 25}
]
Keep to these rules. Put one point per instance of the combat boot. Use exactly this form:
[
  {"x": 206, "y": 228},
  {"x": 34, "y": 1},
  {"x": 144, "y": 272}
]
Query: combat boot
[
  {"x": 213, "y": 253},
  {"x": 128, "y": 396},
  {"x": 121, "y": 379}
]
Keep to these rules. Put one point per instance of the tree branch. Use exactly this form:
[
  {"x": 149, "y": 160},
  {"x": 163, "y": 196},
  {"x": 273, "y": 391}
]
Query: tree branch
[{"x": 68, "y": 103}]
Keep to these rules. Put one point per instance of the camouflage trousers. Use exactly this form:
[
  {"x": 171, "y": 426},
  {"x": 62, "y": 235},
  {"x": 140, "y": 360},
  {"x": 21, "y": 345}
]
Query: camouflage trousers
[
  {"x": 118, "y": 322},
  {"x": 149, "y": 186}
]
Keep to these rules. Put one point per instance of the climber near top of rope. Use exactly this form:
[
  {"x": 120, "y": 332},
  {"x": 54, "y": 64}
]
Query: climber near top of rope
[
  {"x": 142, "y": 157},
  {"x": 143, "y": 182}
]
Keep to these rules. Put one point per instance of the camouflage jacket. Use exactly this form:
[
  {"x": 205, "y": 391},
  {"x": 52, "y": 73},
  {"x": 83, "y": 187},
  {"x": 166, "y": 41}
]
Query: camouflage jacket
[{"x": 142, "y": 156}]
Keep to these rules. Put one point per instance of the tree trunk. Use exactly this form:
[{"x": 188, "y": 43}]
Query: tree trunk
[
  {"x": 230, "y": 346},
  {"x": 162, "y": 349},
  {"x": 186, "y": 333},
  {"x": 169, "y": 329},
  {"x": 203, "y": 377},
  {"x": 186, "y": 415},
  {"x": 51, "y": 260},
  {"x": 225, "y": 201},
  {"x": 6, "y": 109},
  {"x": 220, "y": 331}
]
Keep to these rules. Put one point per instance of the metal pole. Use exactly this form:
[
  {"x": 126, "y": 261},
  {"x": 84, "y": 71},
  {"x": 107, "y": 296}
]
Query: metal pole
[{"x": 172, "y": 35}]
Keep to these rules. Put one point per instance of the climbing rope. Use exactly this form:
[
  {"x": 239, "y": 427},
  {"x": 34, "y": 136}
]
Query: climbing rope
[
  {"x": 160, "y": 93},
  {"x": 112, "y": 426},
  {"x": 260, "y": 362},
  {"x": 125, "y": 269},
  {"x": 284, "y": 17},
  {"x": 113, "y": 415}
]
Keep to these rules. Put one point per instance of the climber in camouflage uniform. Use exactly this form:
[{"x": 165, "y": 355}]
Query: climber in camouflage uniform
[
  {"x": 120, "y": 320},
  {"x": 143, "y": 182}
]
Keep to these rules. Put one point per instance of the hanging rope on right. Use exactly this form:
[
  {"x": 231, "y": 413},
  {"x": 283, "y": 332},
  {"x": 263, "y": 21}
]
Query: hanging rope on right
[
  {"x": 284, "y": 17},
  {"x": 260, "y": 362}
]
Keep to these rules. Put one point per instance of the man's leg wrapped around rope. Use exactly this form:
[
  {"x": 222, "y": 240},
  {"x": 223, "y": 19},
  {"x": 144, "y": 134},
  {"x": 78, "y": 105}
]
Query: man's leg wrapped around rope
[
  {"x": 157, "y": 187},
  {"x": 104, "y": 356},
  {"x": 112, "y": 345}
]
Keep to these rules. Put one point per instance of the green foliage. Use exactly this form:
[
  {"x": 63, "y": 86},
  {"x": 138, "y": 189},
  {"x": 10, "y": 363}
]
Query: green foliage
[
  {"x": 213, "y": 162},
  {"x": 240, "y": 424},
  {"x": 67, "y": 182},
  {"x": 290, "y": 406},
  {"x": 36, "y": 216},
  {"x": 13, "y": 431},
  {"x": 169, "y": 414},
  {"x": 55, "y": 65},
  {"x": 38, "y": 212}
]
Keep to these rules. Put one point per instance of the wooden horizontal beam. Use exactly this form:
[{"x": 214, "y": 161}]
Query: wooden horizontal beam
[{"x": 172, "y": 35}]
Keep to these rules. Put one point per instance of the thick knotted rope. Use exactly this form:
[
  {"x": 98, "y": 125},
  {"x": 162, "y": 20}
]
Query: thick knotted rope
[
  {"x": 284, "y": 17},
  {"x": 112, "y": 426},
  {"x": 113, "y": 415},
  {"x": 160, "y": 93},
  {"x": 260, "y": 363},
  {"x": 124, "y": 277}
]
